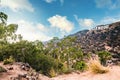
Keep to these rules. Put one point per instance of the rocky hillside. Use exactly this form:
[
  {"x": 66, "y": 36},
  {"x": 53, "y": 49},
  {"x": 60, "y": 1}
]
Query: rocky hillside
[{"x": 102, "y": 37}]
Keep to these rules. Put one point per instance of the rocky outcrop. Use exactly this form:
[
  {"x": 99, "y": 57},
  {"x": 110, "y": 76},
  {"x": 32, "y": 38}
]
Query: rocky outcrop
[{"x": 102, "y": 37}]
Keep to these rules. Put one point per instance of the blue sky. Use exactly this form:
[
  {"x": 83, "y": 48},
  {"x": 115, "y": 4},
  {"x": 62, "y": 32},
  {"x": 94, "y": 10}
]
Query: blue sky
[{"x": 44, "y": 19}]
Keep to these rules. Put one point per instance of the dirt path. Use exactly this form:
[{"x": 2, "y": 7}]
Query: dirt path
[{"x": 113, "y": 74}]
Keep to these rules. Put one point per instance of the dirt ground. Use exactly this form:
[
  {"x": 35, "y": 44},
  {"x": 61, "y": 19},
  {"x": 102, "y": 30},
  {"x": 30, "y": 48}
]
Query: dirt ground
[{"x": 113, "y": 74}]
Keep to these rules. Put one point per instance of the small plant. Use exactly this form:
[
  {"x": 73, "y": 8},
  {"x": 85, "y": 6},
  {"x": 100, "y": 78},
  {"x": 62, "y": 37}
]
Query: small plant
[
  {"x": 10, "y": 60},
  {"x": 96, "y": 67},
  {"x": 52, "y": 73},
  {"x": 2, "y": 69},
  {"x": 65, "y": 69},
  {"x": 80, "y": 66}
]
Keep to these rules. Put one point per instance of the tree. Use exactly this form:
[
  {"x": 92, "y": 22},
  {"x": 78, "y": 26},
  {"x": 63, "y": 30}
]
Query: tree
[
  {"x": 3, "y": 17},
  {"x": 7, "y": 32}
]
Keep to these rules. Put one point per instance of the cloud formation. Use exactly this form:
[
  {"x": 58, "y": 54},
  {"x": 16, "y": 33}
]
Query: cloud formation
[
  {"x": 61, "y": 22},
  {"x": 42, "y": 27},
  {"x": 111, "y": 4},
  {"x": 31, "y": 31},
  {"x": 110, "y": 19},
  {"x": 50, "y": 1},
  {"x": 86, "y": 22},
  {"x": 103, "y": 3},
  {"x": 16, "y": 5}
]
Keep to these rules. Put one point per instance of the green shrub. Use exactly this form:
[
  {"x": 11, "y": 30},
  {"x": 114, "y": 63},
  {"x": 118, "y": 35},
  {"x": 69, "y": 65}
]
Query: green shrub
[
  {"x": 81, "y": 65},
  {"x": 64, "y": 69},
  {"x": 10, "y": 60},
  {"x": 44, "y": 64},
  {"x": 2, "y": 69},
  {"x": 104, "y": 56}
]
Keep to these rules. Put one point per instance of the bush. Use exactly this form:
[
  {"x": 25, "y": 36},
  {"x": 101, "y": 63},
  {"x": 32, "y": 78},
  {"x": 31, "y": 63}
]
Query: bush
[
  {"x": 104, "y": 56},
  {"x": 96, "y": 67},
  {"x": 44, "y": 64},
  {"x": 10, "y": 60},
  {"x": 80, "y": 65},
  {"x": 52, "y": 73},
  {"x": 2, "y": 69}
]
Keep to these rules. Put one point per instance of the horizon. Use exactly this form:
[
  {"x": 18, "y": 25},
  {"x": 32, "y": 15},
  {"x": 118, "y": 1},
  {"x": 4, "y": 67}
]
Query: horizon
[{"x": 44, "y": 19}]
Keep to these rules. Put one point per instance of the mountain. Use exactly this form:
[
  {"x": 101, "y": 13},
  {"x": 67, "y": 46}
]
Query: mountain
[{"x": 102, "y": 37}]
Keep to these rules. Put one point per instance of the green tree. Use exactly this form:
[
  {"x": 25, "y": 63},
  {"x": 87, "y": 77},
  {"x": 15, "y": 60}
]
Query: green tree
[{"x": 3, "y": 17}]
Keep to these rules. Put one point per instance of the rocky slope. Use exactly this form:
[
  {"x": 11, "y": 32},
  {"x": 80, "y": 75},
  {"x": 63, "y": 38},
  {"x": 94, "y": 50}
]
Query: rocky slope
[
  {"x": 20, "y": 71},
  {"x": 102, "y": 37}
]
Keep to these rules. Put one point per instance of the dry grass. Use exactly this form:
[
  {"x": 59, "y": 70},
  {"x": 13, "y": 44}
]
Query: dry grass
[{"x": 96, "y": 68}]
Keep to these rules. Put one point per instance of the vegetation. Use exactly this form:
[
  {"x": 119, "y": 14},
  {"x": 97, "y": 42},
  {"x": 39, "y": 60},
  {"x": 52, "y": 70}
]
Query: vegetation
[
  {"x": 56, "y": 57},
  {"x": 2, "y": 69},
  {"x": 104, "y": 56},
  {"x": 10, "y": 60},
  {"x": 81, "y": 65},
  {"x": 96, "y": 68}
]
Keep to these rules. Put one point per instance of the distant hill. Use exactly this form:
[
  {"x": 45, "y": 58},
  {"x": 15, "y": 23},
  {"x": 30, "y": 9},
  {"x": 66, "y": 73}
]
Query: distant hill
[{"x": 102, "y": 37}]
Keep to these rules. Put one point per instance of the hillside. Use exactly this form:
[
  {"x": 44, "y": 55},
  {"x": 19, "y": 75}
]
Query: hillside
[
  {"x": 85, "y": 51},
  {"x": 102, "y": 37}
]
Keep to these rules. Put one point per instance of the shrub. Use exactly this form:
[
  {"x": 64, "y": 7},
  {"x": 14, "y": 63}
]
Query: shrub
[
  {"x": 80, "y": 65},
  {"x": 52, "y": 73},
  {"x": 44, "y": 64},
  {"x": 2, "y": 69},
  {"x": 96, "y": 67},
  {"x": 64, "y": 69},
  {"x": 104, "y": 56},
  {"x": 10, "y": 60}
]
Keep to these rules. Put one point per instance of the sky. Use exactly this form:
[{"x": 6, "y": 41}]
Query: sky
[{"x": 45, "y": 19}]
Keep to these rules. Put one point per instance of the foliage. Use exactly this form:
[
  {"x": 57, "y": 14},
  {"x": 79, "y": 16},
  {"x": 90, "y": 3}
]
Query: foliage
[
  {"x": 96, "y": 68},
  {"x": 43, "y": 63},
  {"x": 81, "y": 65},
  {"x": 52, "y": 73},
  {"x": 10, "y": 60},
  {"x": 65, "y": 50},
  {"x": 104, "y": 56},
  {"x": 54, "y": 57},
  {"x": 3, "y": 17},
  {"x": 2, "y": 69}
]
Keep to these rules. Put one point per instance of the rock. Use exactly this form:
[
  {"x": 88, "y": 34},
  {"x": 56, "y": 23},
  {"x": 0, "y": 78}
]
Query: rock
[
  {"x": 10, "y": 68},
  {"x": 103, "y": 37}
]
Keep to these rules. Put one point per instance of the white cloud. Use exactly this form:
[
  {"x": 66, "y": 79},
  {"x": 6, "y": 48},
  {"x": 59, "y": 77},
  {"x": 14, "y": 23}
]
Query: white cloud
[
  {"x": 103, "y": 3},
  {"x": 17, "y": 5},
  {"x": 116, "y": 4},
  {"x": 108, "y": 20},
  {"x": 41, "y": 27},
  {"x": 30, "y": 31},
  {"x": 61, "y": 22},
  {"x": 111, "y": 4},
  {"x": 50, "y": 1},
  {"x": 85, "y": 22},
  {"x": 62, "y": 1}
]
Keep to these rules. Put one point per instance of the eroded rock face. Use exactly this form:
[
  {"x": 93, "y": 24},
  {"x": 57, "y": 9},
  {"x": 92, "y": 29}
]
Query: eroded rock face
[{"x": 104, "y": 37}]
